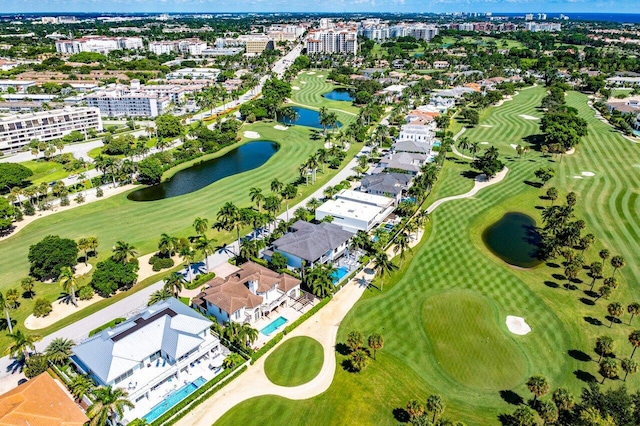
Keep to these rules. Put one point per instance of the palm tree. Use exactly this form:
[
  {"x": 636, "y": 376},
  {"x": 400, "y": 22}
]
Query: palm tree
[
  {"x": 228, "y": 218},
  {"x": 615, "y": 311},
  {"x": 355, "y": 340},
  {"x": 604, "y": 291},
  {"x": 27, "y": 284},
  {"x": 173, "y": 283},
  {"x": 435, "y": 404},
  {"x": 69, "y": 283},
  {"x": 249, "y": 334},
  {"x": 383, "y": 266},
  {"x": 617, "y": 262},
  {"x": 93, "y": 245},
  {"x": 563, "y": 399},
  {"x": 59, "y": 350},
  {"x": 8, "y": 303},
  {"x": 189, "y": 256},
  {"x": 401, "y": 245},
  {"x": 21, "y": 344},
  {"x": 123, "y": 251},
  {"x": 524, "y": 416},
  {"x": 313, "y": 204},
  {"x": 538, "y": 386},
  {"x": 376, "y": 342},
  {"x": 548, "y": 412},
  {"x": 83, "y": 244},
  {"x": 276, "y": 186},
  {"x": 604, "y": 255},
  {"x": 205, "y": 245},
  {"x": 167, "y": 244},
  {"x": 604, "y": 346},
  {"x": 596, "y": 272},
  {"x": 634, "y": 339},
  {"x": 256, "y": 196},
  {"x": 81, "y": 386},
  {"x": 414, "y": 409},
  {"x": 159, "y": 295},
  {"x": 289, "y": 192},
  {"x": 608, "y": 368},
  {"x": 200, "y": 225},
  {"x": 318, "y": 279},
  {"x": 633, "y": 309},
  {"x": 359, "y": 359},
  {"x": 108, "y": 403},
  {"x": 474, "y": 148}
]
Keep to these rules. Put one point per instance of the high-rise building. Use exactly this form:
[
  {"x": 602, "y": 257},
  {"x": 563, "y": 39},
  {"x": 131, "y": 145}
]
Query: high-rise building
[
  {"x": 98, "y": 44},
  {"x": 18, "y": 130},
  {"x": 334, "y": 40}
]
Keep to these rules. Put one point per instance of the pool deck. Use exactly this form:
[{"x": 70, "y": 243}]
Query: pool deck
[{"x": 289, "y": 312}]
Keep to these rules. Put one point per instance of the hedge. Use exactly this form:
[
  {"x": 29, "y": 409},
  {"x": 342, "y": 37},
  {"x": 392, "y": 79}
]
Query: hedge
[
  {"x": 197, "y": 398},
  {"x": 107, "y": 325},
  {"x": 288, "y": 329},
  {"x": 200, "y": 279}
]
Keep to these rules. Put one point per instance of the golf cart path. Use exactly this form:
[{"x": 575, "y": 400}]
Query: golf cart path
[
  {"x": 323, "y": 327},
  {"x": 291, "y": 101}
]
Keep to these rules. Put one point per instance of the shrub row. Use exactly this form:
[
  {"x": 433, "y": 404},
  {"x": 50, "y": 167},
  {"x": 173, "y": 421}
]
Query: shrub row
[
  {"x": 107, "y": 325},
  {"x": 200, "y": 279},
  {"x": 196, "y": 398}
]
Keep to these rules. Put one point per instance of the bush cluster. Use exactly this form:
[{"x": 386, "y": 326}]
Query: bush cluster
[
  {"x": 42, "y": 308},
  {"x": 159, "y": 263}
]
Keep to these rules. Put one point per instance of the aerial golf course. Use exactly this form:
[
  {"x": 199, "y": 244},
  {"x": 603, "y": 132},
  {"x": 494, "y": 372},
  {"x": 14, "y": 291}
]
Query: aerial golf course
[{"x": 442, "y": 314}]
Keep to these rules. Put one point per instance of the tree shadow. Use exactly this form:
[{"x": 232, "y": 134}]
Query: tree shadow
[
  {"x": 347, "y": 366},
  {"x": 593, "y": 321},
  {"x": 613, "y": 319},
  {"x": 579, "y": 355},
  {"x": 552, "y": 265},
  {"x": 16, "y": 366},
  {"x": 507, "y": 420},
  {"x": 401, "y": 415},
  {"x": 591, "y": 293},
  {"x": 533, "y": 184},
  {"x": 343, "y": 349},
  {"x": 584, "y": 376},
  {"x": 4, "y": 325},
  {"x": 539, "y": 207},
  {"x": 469, "y": 174},
  {"x": 559, "y": 277},
  {"x": 551, "y": 284},
  {"x": 510, "y": 397},
  {"x": 570, "y": 286},
  {"x": 587, "y": 301}
]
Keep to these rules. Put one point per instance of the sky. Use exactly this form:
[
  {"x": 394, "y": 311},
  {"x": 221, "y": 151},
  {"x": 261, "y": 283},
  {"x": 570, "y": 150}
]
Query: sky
[{"x": 406, "y": 6}]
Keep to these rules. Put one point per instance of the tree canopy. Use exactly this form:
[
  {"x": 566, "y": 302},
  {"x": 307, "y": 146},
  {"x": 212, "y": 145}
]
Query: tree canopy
[
  {"x": 50, "y": 255},
  {"x": 12, "y": 174}
]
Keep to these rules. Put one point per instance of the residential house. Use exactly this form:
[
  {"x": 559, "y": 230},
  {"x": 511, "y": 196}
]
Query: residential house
[
  {"x": 387, "y": 184},
  {"x": 312, "y": 244},
  {"x": 355, "y": 210},
  {"x": 247, "y": 294},
  {"x": 403, "y": 162},
  {"x": 417, "y": 132},
  {"x": 40, "y": 401}
]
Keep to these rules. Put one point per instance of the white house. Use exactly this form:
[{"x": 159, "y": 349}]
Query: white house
[
  {"x": 150, "y": 350},
  {"x": 417, "y": 133},
  {"x": 247, "y": 294},
  {"x": 355, "y": 210},
  {"x": 312, "y": 243}
]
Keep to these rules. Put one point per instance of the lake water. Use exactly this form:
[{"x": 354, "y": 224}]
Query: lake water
[
  {"x": 514, "y": 239},
  {"x": 244, "y": 158},
  {"x": 339, "y": 95},
  {"x": 306, "y": 117}
]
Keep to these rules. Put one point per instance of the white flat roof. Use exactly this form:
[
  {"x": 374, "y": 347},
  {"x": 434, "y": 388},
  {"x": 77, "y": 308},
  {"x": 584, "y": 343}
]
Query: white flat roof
[
  {"x": 347, "y": 209},
  {"x": 364, "y": 198}
]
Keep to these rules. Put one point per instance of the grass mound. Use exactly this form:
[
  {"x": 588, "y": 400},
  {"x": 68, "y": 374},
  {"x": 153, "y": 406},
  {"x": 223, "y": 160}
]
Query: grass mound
[{"x": 295, "y": 362}]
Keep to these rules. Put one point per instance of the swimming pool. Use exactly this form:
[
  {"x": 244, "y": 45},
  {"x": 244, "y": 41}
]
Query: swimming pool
[
  {"x": 339, "y": 274},
  {"x": 174, "y": 398},
  {"x": 410, "y": 199},
  {"x": 274, "y": 325},
  {"x": 388, "y": 226}
]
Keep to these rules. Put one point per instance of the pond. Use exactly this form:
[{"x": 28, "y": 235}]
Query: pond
[
  {"x": 242, "y": 159},
  {"x": 339, "y": 95},
  {"x": 306, "y": 117},
  {"x": 514, "y": 239}
]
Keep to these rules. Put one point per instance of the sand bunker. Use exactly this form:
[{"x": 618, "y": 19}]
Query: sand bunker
[
  {"x": 513, "y": 145},
  {"x": 486, "y": 125},
  {"x": 279, "y": 127},
  {"x": 303, "y": 82},
  {"x": 577, "y": 177},
  {"x": 588, "y": 174},
  {"x": 517, "y": 325},
  {"x": 295, "y": 88},
  {"x": 528, "y": 117},
  {"x": 311, "y": 72},
  {"x": 484, "y": 143},
  {"x": 81, "y": 269},
  {"x": 251, "y": 135},
  {"x": 320, "y": 76}
]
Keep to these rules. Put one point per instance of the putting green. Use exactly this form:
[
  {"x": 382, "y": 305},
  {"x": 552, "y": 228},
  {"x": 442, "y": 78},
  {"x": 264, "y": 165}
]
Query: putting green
[
  {"x": 295, "y": 362},
  {"x": 463, "y": 326}
]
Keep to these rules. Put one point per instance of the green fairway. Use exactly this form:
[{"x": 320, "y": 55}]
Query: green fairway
[
  {"x": 312, "y": 87},
  {"x": 295, "y": 362},
  {"x": 437, "y": 311}
]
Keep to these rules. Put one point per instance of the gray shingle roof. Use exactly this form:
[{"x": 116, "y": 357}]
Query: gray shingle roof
[
  {"x": 391, "y": 183},
  {"x": 310, "y": 242}
]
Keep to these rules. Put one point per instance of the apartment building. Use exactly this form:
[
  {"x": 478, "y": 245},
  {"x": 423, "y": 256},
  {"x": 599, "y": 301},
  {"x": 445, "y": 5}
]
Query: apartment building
[
  {"x": 188, "y": 46},
  {"x": 340, "y": 39},
  {"x": 255, "y": 45},
  {"x": 121, "y": 102},
  {"x": 17, "y": 130},
  {"x": 98, "y": 44}
]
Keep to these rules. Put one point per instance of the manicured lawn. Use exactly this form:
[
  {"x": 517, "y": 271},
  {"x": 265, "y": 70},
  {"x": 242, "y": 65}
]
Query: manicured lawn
[
  {"x": 313, "y": 86},
  {"x": 45, "y": 171},
  {"x": 295, "y": 362},
  {"x": 438, "y": 310}
]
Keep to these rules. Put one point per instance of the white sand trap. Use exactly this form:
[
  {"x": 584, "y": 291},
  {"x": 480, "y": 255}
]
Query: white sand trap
[
  {"x": 484, "y": 143},
  {"x": 513, "y": 145},
  {"x": 82, "y": 269},
  {"x": 637, "y": 166},
  {"x": 517, "y": 325},
  {"x": 251, "y": 135},
  {"x": 486, "y": 125},
  {"x": 588, "y": 174},
  {"x": 279, "y": 127},
  {"x": 295, "y": 88},
  {"x": 320, "y": 76},
  {"x": 528, "y": 117},
  {"x": 311, "y": 72},
  {"x": 303, "y": 82},
  {"x": 577, "y": 177}
]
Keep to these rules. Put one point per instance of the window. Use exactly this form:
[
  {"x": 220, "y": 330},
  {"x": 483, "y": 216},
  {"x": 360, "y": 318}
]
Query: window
[{"x": 155, "y": 356}]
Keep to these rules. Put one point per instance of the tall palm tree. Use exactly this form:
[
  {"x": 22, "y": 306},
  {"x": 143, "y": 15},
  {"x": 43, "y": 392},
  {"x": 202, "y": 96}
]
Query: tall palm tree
[
  {"x": 228, "y": 218},
  {"x": 289, "y": 192},
  {"x": 108, "y": 403},
  {"x": 167, "y": 244},
  {"x": 200, "y": 225},
  {"x": 9, "y": 302},
  {"x": 93, "y": 245},
  {"x": 69, "y": 283},
  {"x": 383, "y": 266},
  {"x": 615, "y": 311},
  {"x": 81, "y": 386},
  {"x": 276, "y": 186},
  {"x": 189, "y": 256},
  {"x": 474, "y": 148},
  {"x": 401, "y": 245},
  {"x": 83, "y": 244},
  {"x": 173, "y": 283},
  {"x": 538, "y": 386},
  {"x": 159, "y": 295},
  {"x": 633, "y": 309},
  {"x": 256, "y": 196},
  {"x": 376, "y": 342},
  {"x": 617, "y": 262},
  {"x": 21, "y": 344},
  {"x": 435, "y": 404},
  {"x": 205, "y": 245},
  {"x": 634, "y": 339},
  {"x": 629, "y": 366},
  {"x": 249, "y": 334},
  {"x": 59, "y": 350},
  {"x": 123, "y": 251}
]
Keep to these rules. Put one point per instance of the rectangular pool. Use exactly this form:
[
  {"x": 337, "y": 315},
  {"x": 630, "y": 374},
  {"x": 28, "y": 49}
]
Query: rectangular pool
[
  {"x": 173, "y": 398},
  {"x": 339, "y": 274},
  {"x": 274, "y": 325}
]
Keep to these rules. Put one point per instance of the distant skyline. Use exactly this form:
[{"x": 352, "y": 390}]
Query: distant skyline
[{"x": 344, "y": 6}]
